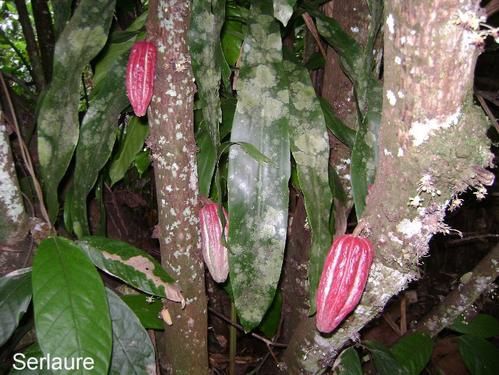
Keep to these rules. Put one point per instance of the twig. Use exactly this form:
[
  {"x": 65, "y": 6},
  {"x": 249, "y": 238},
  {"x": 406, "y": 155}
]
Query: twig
[
  {"x": 313, "y": 30},
  {"x": 26, "y": 156},
  {"x": 239, "y": 327},
  {"x": 462, "y": 297},
  {"x": 487, "y": 110}
]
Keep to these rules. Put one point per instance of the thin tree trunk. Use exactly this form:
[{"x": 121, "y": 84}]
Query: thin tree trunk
[
  {"x": 432, "y": 144},
  {"x": 174, "y": 153},
  {"x": 31, "y": 45},
  {"x": 45, "y": 33}
]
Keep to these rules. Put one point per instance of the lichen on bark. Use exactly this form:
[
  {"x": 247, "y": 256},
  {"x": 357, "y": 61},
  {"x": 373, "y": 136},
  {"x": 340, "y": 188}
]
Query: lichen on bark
[{"x": 173, "y": 148}]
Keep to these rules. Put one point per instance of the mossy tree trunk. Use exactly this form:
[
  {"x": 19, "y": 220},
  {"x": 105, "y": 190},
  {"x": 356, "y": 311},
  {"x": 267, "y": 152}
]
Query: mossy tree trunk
[
  {"x": 432, "y": 146},
  {"x": 174, "y": 155}
]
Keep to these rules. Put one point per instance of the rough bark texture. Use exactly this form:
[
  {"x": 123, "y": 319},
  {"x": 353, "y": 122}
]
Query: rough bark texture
[
  {"x": 432, "y": 140},
  {"x": 31, "y": 45},
  {"x": 174, "y": 153},
  {"x": 45, "y": 33},
  {"x": 13, "y": 218}
]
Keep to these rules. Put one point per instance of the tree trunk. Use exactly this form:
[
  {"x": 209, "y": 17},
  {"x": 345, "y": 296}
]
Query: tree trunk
[
  {"x": 432, "y": 146},
  {"x": 45, "y": 33},
  {"x": 173, "y": 151},
  {"x": 13, "y": 220},
  {"x": 31, "y": 45}
]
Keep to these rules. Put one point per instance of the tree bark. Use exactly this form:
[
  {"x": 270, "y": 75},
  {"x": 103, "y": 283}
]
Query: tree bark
[
  {"x": 31, "y": 45},
  {"x": 432, "y": 146},
  {"x": 13, "y": 220},
  {"x": 45, "y": 33},
  {"x": 174, "y": 154}
]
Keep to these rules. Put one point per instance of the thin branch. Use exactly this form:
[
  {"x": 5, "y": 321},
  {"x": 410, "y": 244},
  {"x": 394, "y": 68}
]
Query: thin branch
[
  {"x": 461, "y": 298},
  {"x": 488, "y": 111},
  {"x": 26, "y": 156},
  {"x": 313, "y": 30},
  {"x": 17, "y": 51},
  {"x": 239, "y": 327},
  {"x": 31, "y": 45}
]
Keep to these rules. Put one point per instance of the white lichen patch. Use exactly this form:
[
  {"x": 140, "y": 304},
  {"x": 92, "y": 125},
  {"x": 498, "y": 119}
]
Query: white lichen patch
[
  {"x": 392, "y": 99},
  {"x": 422, "y": 130},
  {"x": 410, "y": 228},
  {"x": 390, "y": 23}
]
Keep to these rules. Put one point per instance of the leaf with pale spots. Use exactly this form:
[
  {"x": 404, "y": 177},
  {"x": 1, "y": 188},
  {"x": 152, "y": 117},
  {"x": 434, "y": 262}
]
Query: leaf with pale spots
[
  {"x": 131, "y": 265},
  {"x": 207, "y": 58},
  {"x": 98, "y": 130},
  {"x": 283, "y": 10},
  {"x": 258, "y": 192},
  {"x": 310, "y": 149},
  {"x": 58, "y": 126}
]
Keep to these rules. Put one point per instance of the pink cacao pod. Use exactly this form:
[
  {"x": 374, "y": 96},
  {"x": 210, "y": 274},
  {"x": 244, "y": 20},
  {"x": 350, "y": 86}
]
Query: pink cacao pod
[
  {"x": 140, "y": 76},
  {"x": 343, "y": 279},
  {"x": 215, "y": 254}
]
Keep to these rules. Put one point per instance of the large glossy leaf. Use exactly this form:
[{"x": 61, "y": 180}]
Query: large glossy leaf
[
  {"x": 98, "y": 129},
  {"x": 147, "y": 312},
  {"x": 480, "y": 356},
  {"x": 71, "y": 310},
  {"x": 482, "y": 325},
  {"x": 413, "y": 353},
  {"x": 58, "y": 125},
  {"x": 133, "y": 352},
  {"x": 131, "y": 145},
  {"x": 204, "y": 45},
  {"x": 310, "y": 149},
  {"x": 337, "y": 127},
  {"x": 258, "y": 192},
  {"x": 348, "y": 362},
  {"x": 272, "y": 319},
  {"x": 384, "y": 361},
  {"x": 283, "y": 9},
  {"x": 132, "y": 265},
  {"x": 207, "y": 160},
  {"x": 15, "y": 296}
]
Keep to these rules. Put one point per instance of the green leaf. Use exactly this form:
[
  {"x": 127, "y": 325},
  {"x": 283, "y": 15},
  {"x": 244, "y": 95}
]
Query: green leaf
[
  {"x": 147, "y": 312},
  {"x": 258, "y": 192},
  {"x": 133, "y": 142},
  {"x": 310, "y": 150},
  {"x": 270, "y": 322},
  {"x": 71, "y": 311},
  {"x": 283, "y": 10},
  {"x": 206, "y": 24},
  {"x": 133, "y": 352},
  {"x": 58, "y": 126},
  {"x": 337, "y": 127},
  {"x": 15, "y": 297},
  {"x": 346, "y": 46},
  {"x": 384, "y": 361},
  {"x": 348, "y": 362},
  {"x": 207, "y": 161},
  {"x": 482, "y": 325},
  {"x": 480, "y": 356},
  {"x": 251, "y": 150},
  {"x": 413, "y": 353},
  {"x": 315, "y": 61},
  {"x": 131, "y": 265},
  {"x": 231, "y": 40},
  {"x": 32, "y": 351},
  {"x": 142, "y": 162}
]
